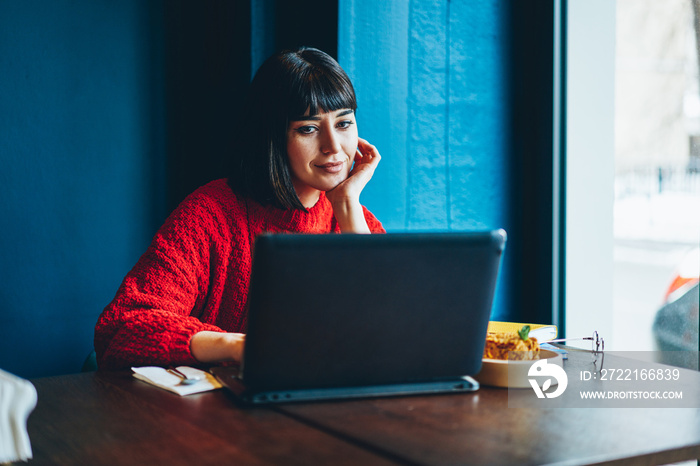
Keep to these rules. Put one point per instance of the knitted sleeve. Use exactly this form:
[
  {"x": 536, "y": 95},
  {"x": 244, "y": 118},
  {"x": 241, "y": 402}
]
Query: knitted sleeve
[
  {"x": 154, "y": 313},
  {"x": 374, "y": 225}
]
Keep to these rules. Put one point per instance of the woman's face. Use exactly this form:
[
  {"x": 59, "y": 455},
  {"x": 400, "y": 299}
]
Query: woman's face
[{"x": 321, "y": 150}]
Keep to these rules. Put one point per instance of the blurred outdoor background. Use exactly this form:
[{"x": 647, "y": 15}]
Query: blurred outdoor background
[{"x": 657, "y": 159}]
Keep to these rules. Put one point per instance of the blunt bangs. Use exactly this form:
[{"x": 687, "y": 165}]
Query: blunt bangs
[{"x": 318, "y": 86}]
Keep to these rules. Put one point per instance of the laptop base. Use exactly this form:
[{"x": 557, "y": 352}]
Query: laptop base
[{"x": 228, "y": 376}]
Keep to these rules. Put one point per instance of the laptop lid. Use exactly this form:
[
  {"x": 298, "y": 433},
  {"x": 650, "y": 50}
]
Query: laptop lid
[{"x": 348, "y": 312}]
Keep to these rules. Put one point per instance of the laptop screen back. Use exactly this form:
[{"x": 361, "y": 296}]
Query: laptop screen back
[{"x": 331, "y": 311}]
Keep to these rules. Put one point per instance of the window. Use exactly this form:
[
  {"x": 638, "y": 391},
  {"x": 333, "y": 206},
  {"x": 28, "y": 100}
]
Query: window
[{"x": 633, "y": 182}]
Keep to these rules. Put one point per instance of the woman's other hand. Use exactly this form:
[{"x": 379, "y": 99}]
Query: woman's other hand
[
  {"x": 209, "y": 346},
  {"x": 345, "y": 198}
]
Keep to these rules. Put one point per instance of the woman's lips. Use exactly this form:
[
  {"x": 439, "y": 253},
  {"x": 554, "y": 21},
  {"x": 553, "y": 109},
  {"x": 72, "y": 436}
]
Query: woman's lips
[{"x": 331, "y": 167}]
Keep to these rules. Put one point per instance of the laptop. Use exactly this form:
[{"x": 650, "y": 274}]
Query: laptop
[{"x": 337, "y": 316}]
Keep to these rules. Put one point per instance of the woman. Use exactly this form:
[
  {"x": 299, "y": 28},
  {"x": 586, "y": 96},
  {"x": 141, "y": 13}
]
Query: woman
[{"x": 300, "y": 167}]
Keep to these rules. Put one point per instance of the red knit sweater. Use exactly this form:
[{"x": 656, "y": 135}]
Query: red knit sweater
[{"x": 194, "y": 276}]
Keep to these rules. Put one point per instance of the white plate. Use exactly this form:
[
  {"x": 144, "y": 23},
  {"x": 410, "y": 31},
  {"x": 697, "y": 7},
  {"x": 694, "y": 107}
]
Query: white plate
[{"x": 494, "y": 372}]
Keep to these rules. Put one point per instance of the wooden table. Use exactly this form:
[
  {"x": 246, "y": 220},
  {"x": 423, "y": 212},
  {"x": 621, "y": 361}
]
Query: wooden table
[{"x": 111, "y": 418}]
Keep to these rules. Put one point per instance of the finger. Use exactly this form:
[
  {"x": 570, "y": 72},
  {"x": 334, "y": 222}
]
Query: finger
[
  {"x": 365, "y": 169},
  {"x": 358, "y": 155},
  {"x": 373, "y": 160},
  {"x": 366, "y": 159},
  {"x": 361, "y": 158},
  {"x": 369, "y": 152},
  {"x": 365, "y": 147}
]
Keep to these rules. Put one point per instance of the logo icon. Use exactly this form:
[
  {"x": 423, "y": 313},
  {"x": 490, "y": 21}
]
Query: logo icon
[{"x": 555, "y": 376}]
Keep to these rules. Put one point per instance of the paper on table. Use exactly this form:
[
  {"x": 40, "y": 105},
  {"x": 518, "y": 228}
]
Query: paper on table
[{"x": 161, "y": 378}]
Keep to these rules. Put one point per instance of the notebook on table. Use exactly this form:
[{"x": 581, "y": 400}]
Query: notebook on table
[{"x": 343, "y": 316}]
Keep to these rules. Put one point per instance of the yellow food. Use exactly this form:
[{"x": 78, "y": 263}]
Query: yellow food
[{"x": 499, "y": 344}]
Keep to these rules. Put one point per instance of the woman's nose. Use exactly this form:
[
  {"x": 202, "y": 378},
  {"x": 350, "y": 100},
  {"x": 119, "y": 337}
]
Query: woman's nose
[{"x": 330, "y": 143}]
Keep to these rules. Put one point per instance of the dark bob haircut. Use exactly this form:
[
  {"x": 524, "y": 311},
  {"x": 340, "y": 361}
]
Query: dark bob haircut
[{"x": 286, "y": 86}]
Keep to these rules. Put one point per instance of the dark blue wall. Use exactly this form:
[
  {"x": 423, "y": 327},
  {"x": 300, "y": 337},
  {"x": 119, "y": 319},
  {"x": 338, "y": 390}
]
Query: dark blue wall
[
  {"x": 111, "y": 112},
  {"x": 81, "y": 179}
]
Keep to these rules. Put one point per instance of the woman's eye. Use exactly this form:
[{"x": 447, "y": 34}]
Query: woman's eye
[
  {"x": 344, "y": 124},
  {"x": 306, "y": 129}
]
